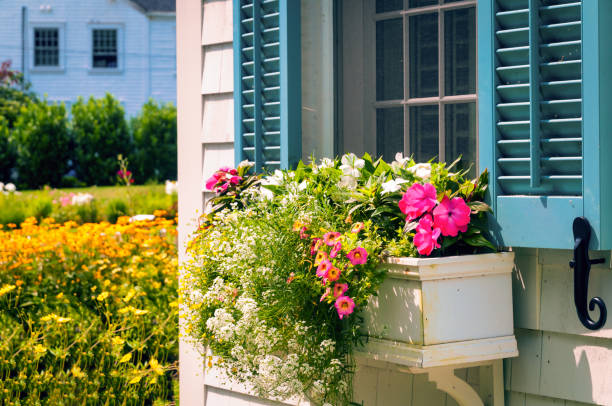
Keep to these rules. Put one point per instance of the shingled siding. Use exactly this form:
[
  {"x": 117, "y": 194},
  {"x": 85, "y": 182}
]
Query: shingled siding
[
  {"x": 146, "y": 52},
  {"x": 560, "y": 362}
]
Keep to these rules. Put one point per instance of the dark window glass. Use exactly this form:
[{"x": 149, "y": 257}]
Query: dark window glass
[
  {"x": 389, "y": 60},
  {"x": 46, "y": 47},
  {"x": 389, "y": 132},
  {"x": 105, "y": 54},
  {"x": 382, "y": 6},
  {"x": 423, "y": 55},
  {"x": 460, "y": 51},
  {"x": 423, "y": 132},
  {"x": 460, "y": 123},
  {"x": 421, "y": 3}
]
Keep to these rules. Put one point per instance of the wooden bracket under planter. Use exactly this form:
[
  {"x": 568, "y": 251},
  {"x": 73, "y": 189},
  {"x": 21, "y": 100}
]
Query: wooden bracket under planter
[{"x": 434, "y": 315}]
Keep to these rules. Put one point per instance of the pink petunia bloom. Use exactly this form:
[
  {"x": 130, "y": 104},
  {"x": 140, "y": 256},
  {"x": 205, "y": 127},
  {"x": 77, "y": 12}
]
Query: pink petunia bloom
[
  {"x": 314, "y": 246},
  {"x": 234, "y": 180},
  {"x": 327, "y": 293},
  {"x": 418, "y": 200},
  {"x": 358, "y": 256},
  {"x": 452, "y": 216},
  {"x": 340, "y": 289},
  {"x": 324, "y": 268},
  {"x": 334, "y": 251},
  {"x": 426, "y": 238},
  {"x": 357, "y": 227},
  {"x": 229, "y": 170},
  {"x": 344, "y": 306},
  {"x": 331, "y": 238},
  {"x": 303, "y": 233},
  {"x": 333, "y": 274},
  {"x": 215, "y": 179}
]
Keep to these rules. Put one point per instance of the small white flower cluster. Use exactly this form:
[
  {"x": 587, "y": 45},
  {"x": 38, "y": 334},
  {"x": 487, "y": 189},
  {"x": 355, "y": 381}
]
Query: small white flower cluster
[
  {"x": 171, "y": 187},
  {"x": 82, "y": 198},
  {"x": 8, "y": 188}
]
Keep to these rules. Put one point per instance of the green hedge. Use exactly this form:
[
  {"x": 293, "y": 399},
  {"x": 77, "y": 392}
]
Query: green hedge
[{"x": 40, "y": 145}]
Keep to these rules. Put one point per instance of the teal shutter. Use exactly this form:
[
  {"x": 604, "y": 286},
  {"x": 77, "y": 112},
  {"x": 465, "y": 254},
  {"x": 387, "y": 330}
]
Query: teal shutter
[
  {"x": 267, "y": 82},
  {"x": 545, "y": 130}
]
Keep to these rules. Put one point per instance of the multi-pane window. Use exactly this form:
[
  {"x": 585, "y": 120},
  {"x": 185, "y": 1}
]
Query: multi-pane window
[
  {"x": 426, "y": 79},
  {"x": 105, "y": 48},
  {"x": 46, "y": 47}
]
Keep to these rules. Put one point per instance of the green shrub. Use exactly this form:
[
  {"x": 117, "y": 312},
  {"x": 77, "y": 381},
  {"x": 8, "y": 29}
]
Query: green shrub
[
  {"x": 154, "y": 131},
  {"x": 101, "y": 133},
  {"x": 43, "y": 144},
  {"x": 7, "y": 152},
  {"x": 88, "y": 213},
  {"x": 42, "y": 208},
  {"x": 115, "y": 209},
  {"x": 12, "y": 210},
  {"x": 12, "y": 99}
]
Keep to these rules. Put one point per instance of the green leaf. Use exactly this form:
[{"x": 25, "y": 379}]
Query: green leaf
[
  {"x": 477, "y": 206},
  {"x": 478, "y": 240}
]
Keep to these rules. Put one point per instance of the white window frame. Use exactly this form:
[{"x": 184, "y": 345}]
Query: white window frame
[
  {"x": 120, "y": 47},
  {"x": 61, "y": 29}
]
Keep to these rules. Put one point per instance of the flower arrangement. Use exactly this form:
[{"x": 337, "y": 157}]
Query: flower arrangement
[{"x": 283, "y": 263}]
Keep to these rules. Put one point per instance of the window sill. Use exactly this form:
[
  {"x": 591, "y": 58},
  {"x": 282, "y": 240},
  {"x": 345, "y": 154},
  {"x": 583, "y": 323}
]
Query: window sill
[
  {"x": 105, "y": 71},
  {"x": 47, "y": 69}
]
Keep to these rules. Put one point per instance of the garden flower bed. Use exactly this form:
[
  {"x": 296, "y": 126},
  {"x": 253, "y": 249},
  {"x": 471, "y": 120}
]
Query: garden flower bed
[
  {"x": 88, "y": 314},
  {"x": 286, "y": 264}
]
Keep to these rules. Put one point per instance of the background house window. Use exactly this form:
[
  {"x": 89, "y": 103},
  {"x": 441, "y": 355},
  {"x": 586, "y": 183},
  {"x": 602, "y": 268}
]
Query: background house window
[
  {"x": 425, "y": 79},
  {"x": 105, "y": 48},
  {"x": 46, "y": 47}
]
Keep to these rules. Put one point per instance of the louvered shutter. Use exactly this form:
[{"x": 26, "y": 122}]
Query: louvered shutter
[
  {"x": 543, "y": 130},
  {"x": 267, "y": 87}
]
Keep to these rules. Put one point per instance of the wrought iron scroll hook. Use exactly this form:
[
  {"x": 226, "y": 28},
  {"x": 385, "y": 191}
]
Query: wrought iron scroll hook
[{"x": 582, "y": 268}]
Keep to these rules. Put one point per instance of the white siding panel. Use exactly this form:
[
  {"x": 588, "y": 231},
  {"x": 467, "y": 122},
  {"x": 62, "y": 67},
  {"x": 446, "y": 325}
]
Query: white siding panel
[
  {"x": 216, "y": 156},
  {"x": 218, "y": 125},
  {"x": 526, "y": 289},
  {"x": 217, "y": 22},
  {"x": 218, "y": 73},
  {"x": 163, "y": 59}
]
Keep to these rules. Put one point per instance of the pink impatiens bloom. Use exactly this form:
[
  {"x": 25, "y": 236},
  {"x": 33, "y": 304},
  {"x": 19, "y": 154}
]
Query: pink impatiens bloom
[
  {"x": 331, "y": 238},
  {"x": 334, "y": 251},
  {"x": 418, "y": 200},
  {"x": 426, "y": 238},
  {"x": 234, "y": 180},
  {"x": 340, "y": 289},
  {"x": 324, "y": 268},
  {"x": 452, "y": 216},
  {"x": 344, "y": 306},
  {"x": 358, "y": 256}
]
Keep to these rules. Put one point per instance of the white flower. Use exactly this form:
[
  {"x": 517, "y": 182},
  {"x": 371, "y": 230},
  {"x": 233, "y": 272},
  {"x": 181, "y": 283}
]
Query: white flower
[
  {"x": 400, "y": 161},
  {"x": 142, "y": 217},
  {"x": 82, "y": 198},
  {"x": 393, "y": 185},
  {"x": 171, "y": 187},
  {"x": 9, "y": 187},
  {"x": 1, "y": 186},
  {"x": 348, "y": 182},
  {"x": 423, "y": 171},
  {"x": 326, "y": 163},
  {"x": 351, "y": 165}
]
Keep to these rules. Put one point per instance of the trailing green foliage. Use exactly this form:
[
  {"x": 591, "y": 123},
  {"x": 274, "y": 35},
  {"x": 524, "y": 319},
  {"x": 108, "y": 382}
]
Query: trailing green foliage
[
  {"x": 7, "y": 151},
  {"x": 43, "y": 144},
  {"x": 154, "y": 132},
  {"x": 100, "y": 134}
]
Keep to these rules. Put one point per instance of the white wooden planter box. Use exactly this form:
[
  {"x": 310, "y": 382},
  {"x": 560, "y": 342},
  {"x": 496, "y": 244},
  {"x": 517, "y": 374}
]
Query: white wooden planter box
[{"x": 433, "y": 312}]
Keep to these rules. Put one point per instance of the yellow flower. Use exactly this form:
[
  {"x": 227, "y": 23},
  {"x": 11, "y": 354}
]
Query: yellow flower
[
  {"x": 129, "y": 295},
  {"x": 39, "y": 349},
  {"x": 6, "y": 289},
  {"x": 125, "y": 358},
  {"x": 155, "y": 367},
  {"x": 102, "y": 296},
  {"x": 76, "y": 372},
  {"x": 48, "y": 317},
  {"x": 117, "y": 341},
  {"x": 135, "y": 379}
]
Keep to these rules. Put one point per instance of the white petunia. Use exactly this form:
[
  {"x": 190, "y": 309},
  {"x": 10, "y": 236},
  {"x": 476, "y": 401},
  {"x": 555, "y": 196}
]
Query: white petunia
[
  {"x": 349, "y": 182},
  {"x": 351, "y": 165},
  {"x": 400, "y": 161},
  {"x": 423, "y": 170},
  {"x": 393, "y": 185}
]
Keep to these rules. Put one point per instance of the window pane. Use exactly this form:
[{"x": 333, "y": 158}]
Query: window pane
[
  {"x": 460, "y": 51},
  {"x": 423, "y": 55},
  {"x": 421, "y": 3},
  {"x": 389, "y": 132},
  {"x": 105, "y": 48},
  {"x": 46, "y": 47},
  {"x": 460, "y": 137},
  {"x": 389, "y": 60},
  {"x": 423, "y": 132},
  {"x": 383, "y": 6}
]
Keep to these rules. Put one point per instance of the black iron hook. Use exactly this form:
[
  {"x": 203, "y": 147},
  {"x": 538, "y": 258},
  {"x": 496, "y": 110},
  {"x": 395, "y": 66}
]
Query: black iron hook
[{"x": 582, "y": 268}]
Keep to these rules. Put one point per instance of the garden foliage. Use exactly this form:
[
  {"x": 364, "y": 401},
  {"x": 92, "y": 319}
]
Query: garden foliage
[
  {"x": 100, "y": 133},
  {"x": 7, "y": 151},
  {"x": 43, "y": 143},
  {"x": 88, "y": 314},
  {"x": 284, "y": 264}
]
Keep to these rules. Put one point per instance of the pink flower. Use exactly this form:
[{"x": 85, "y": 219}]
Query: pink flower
[
  {"x": 234, "y": 180},
  {"x": 327, "y": 293},
  {"x": 452, "y": 216},
  {"x": 418, "y": 200},
  {"x": 426, "y": 238},
  {"x": 321, "y": 256},
  {"x": 334, "y": 252},
  {"x": 324, "y": 268},
  {"x": 340, "y": 289},
  {"x": 314, "y": 246},
  {"x": 331, "y": 238},
  {"x": 344, "y": 306},
  {"x": 303, "y": 233},
  {"x": 229, "y": 170},
  {"x": 358, "y": 256},
  {"x": 333, "y": 274},
  {"x": 290, "y": 278},
  {"x": 214, "y": 179},
  {"x": 357, "y": 227}
]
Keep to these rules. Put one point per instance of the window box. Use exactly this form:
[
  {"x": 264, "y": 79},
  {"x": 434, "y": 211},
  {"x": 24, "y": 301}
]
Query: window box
[{"x": 433, "y": 312}]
